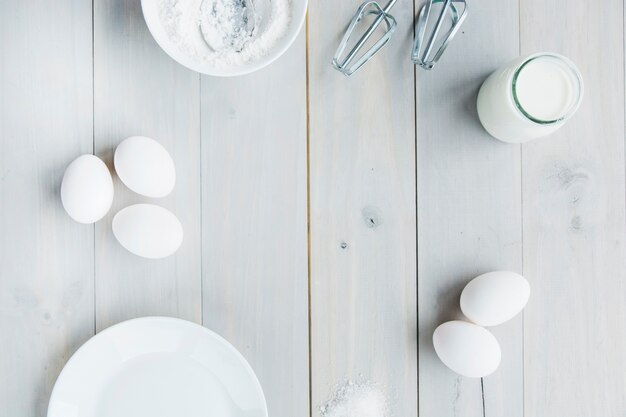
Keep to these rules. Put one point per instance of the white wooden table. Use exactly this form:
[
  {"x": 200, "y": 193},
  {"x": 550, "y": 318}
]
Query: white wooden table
[{"x": 330, "y": 222}]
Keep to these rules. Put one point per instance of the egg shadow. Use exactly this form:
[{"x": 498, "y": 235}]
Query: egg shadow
[
  {"x": 448, "y": 309},
  {"x": 106, "y": 154}
]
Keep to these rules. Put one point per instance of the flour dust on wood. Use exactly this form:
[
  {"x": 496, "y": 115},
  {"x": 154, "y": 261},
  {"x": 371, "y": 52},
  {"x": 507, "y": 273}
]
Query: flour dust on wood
[{"x": 355, "y": 399}]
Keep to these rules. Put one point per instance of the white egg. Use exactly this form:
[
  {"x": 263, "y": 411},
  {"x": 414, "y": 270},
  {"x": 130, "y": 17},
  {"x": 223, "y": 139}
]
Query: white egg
[
  {"x": 147, "y": 230},
  {"x": 495, "y": 297},
  {"x": 145, "y": 166},
  {"x": 466, "y": 348},
  {"x": 87, "y": 189}
]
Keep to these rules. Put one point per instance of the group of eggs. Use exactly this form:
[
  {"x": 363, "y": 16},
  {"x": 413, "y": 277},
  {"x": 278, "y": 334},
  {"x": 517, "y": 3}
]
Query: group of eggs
[
  {"x": 145, "y": 167},
  {"x": 488, "y": 300}
]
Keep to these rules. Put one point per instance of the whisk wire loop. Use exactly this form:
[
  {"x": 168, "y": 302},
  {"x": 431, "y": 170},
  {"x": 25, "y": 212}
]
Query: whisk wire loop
[
  {"x": 349, "y": 64},
  {"x": 456, "y": 10}
]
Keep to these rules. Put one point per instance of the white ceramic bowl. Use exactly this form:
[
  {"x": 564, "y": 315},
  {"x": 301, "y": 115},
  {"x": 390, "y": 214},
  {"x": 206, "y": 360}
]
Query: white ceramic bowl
[{"x": 151, "y": 14}]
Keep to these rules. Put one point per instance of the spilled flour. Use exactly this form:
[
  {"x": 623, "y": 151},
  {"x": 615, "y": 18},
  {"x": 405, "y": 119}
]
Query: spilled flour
[
  {"x": 225, "y": 33},
  {"x": 357, "y": 400}
]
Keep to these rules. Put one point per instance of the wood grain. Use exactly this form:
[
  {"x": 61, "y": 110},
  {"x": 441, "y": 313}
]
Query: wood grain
[
  {"x": 362, "y": 213},
  {"x": 240, "y": 147},
  {"x": 469, "y": 211},
  {"x": 139, "y": 90},
  {"x": 254, "y": 223},
  {"x": 574, "y": 225},
  {"x": 46, "y": 259}
]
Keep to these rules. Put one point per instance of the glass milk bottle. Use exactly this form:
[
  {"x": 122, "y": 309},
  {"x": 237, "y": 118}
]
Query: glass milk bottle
[{"x": 529, "y": 98}]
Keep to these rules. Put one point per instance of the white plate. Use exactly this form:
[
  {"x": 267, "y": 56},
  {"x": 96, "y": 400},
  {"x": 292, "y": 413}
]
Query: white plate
[
  {"x": 151, "y": 15},
  {"x": 157, "y": 367}
]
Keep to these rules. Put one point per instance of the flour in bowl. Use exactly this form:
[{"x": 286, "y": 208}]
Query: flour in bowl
[{"x": 225, "y": 33}]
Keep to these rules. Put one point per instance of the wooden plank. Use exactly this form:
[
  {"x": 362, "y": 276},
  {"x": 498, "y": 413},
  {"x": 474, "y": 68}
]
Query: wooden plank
[
  {"x": 574, "y": 249},
  {"x": 254, "y": 223},
  {"x": 139, "y": 90},
  {"x": 46, "y": 259},
  {"x": 469, "y": 211},
  {"x": 362, "y": 213}
]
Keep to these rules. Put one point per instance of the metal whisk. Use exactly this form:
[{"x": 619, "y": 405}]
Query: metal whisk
[
  {"x": 453, "y": 10},
  {"x": 353, "y": 60}
]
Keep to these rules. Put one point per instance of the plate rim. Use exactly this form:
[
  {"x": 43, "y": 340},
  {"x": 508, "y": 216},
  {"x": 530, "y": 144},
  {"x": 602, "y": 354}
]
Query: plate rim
[{"x": 93, "y": 339}]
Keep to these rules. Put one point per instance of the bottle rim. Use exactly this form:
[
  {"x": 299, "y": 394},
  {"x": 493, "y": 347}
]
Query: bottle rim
[{"x": 574, "y": 73}]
